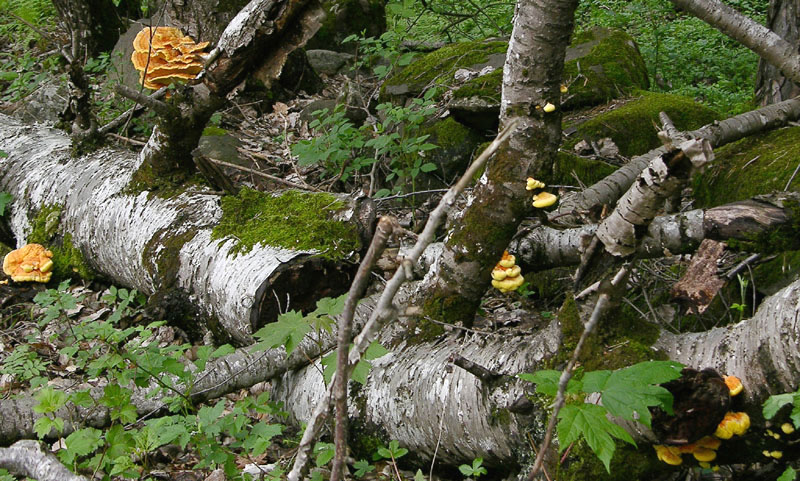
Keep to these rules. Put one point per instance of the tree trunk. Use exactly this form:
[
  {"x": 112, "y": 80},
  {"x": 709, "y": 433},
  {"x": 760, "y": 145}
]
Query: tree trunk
[
  {"x": 532, "y": 77},
  {"x": 152, "y": 243},
  {"x": 772, "y": 86},
  {"x": 31, "y": 459}
]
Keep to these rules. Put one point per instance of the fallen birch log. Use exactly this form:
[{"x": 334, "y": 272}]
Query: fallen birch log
[
  {"x": 152, "y": 243},
  {"x": 543, "y": 247}
]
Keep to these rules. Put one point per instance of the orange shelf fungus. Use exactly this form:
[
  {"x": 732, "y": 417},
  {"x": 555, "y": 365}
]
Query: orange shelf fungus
[
  {"x": 669, "y": 454},
  {"x": 166, "y": 56},
  {"x": 506, "y": 274},
  {"x": 29, "y": 263},
  {"x": 734, "y": 385},
  {"x": 733, "y": 424},
  {"x": 544, "y": 199}
]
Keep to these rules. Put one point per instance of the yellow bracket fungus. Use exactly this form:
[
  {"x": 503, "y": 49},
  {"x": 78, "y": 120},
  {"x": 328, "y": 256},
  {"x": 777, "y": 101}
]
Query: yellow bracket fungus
[
  {"x": 544, "y": 199},
  {"x": 506, "y": 274},
  {"x": 166, "y": 56},
  {"x": 549, "y": 108},
  {"x": 669, "y": 454},
  {"x": 733, "y": 424},
  {"x": 534, "y": 184},
  {"x": 787, "y": 428},
  {"x": 734, "y": 385},
  {"x": 29, "y": 263}
]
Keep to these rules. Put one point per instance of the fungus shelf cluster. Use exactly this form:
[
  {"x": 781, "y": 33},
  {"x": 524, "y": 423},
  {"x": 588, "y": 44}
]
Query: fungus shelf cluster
[
  {"x": 704, "y": 450},
  {"x": 163, "y": 55},
  {"x": 541, "y": 198},
  {"x": 506, "y": 275},
  {"x": 29, "y": 263}
]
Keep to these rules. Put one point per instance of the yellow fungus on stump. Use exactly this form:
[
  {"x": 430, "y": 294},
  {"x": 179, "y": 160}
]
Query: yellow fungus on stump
[
  {"x": 733, "y": 424},
  {"x": 669, "y": 454},
  {"x": 734, "y": 385},
  {"x": 544, "y": 199}
]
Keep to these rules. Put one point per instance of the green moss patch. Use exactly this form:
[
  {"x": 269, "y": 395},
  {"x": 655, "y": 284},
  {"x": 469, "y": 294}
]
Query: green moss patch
[
  {"x": 632, "y": 125},
  {"x": 293, "y": 220},
  {"x": 436, "y": 68},
  {"x": 487, "y": 87},
  {"x": 628, "y": 463},
  {"x": 755, "y": 165},
  {"x": 588, "y": 171},
  {"x": 45, "y": 224},
  {"x": 601, "y": 65},
  {"x": 68, "y": 261}
]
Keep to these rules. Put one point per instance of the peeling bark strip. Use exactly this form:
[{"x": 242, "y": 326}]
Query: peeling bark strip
[
  {"x": 621, "y": 231},
  {"x": 608, "y": 190},
  {"x": 701, "y": 283},
  {"x": 30, "y": 459},
  {"x": 543, "y": 248},
  {"x": 149, "y": 243}
]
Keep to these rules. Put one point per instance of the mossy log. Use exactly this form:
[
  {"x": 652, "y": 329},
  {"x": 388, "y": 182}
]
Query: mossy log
[
  {"x": 608, "y": 190},
  {"x": 156, "y": 244}
]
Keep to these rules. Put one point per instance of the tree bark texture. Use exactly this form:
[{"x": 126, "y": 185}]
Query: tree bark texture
[
  {"x": 150, "y": 243},
  {"x": 531, "y": 80},
  {"x": 761, "y": 351},
  {"x": 608, "y": 190},
  {"x": 30, "y": 459},
  {"x": 758, "y": 38},
  {"x": 542, "y": 247},
  {"x": 783, "y": 18}
]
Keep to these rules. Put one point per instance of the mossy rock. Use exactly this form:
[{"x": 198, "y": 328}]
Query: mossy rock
[
  {"x": 437, "y": 68},
  {"x": 348, "y": 17},
  {"x": 758, "y": 164},
  {"x": 632, "y": 124},
  {"x": 588, "y": 171},
  {"x": 600, "y": 65},
  {"x": 774, "y": 275},
  {"x": 456, "y": 143},
  {"x": 627, "y": 463}
]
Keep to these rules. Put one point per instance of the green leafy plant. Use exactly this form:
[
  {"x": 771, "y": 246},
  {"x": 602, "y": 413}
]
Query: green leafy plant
[
  {"x": 362, "y": 467},
  {"x": 56, "y": 302},
  {"x": 626, "y": 393},
  {"x": 475, "y": 470},
  {"x": 743, "y": 282},
  {"x": 788, "y": 475},
  {"x": 393, "y": 452},
  {"x": 25, "y": 365}
]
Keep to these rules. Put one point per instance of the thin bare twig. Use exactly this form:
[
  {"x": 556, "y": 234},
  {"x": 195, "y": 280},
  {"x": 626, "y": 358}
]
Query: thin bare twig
[
  {"x": 383, "y": 232},
  {"x": 264, "y": 175}
]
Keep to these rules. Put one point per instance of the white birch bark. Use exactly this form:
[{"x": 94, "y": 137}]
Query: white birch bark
[
  {"x": 121, "y": 234},
  {"x": 29, "y": 458}
]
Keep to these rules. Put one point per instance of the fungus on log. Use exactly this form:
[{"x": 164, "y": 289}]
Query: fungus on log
[{"x": 156, "y": 244}]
